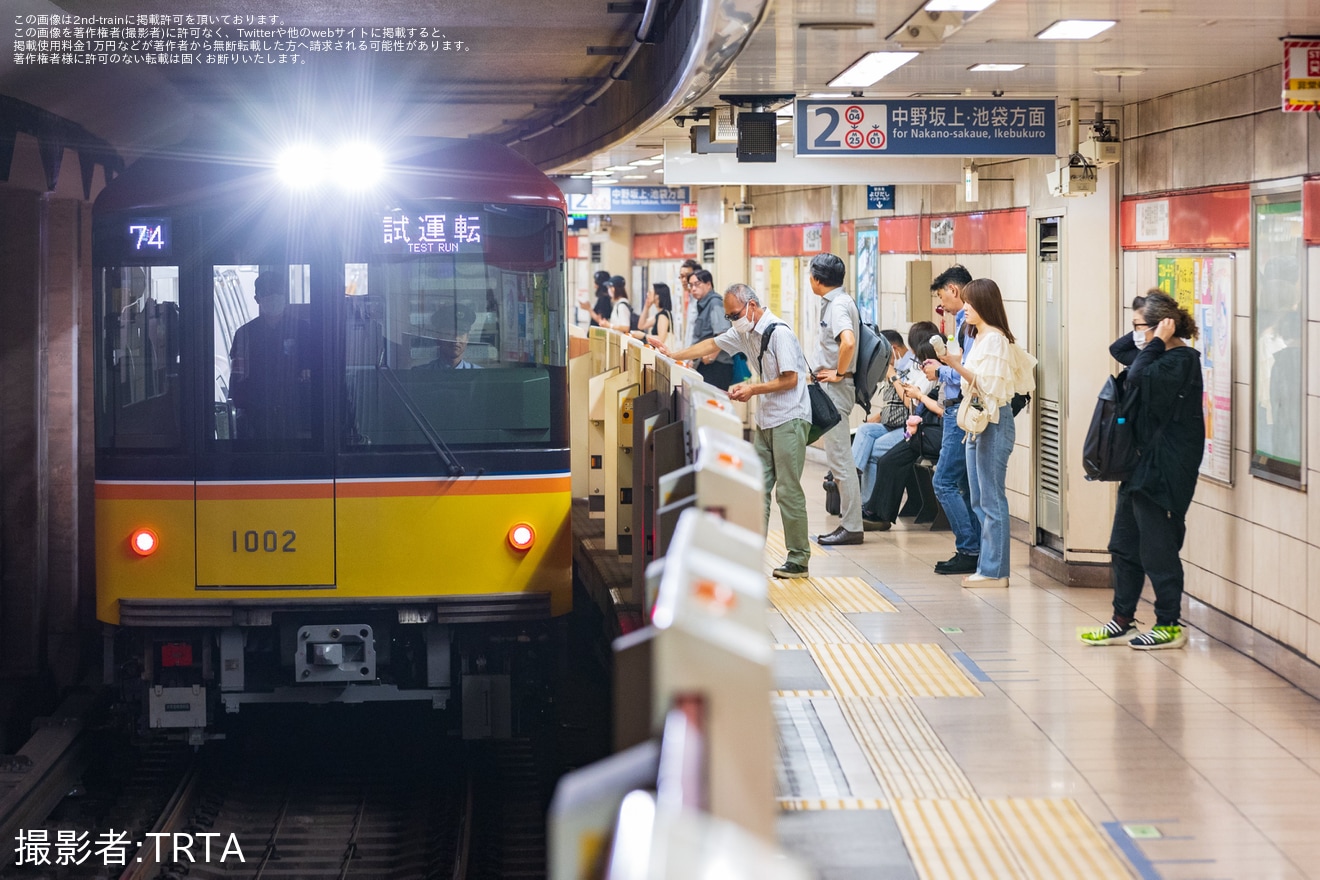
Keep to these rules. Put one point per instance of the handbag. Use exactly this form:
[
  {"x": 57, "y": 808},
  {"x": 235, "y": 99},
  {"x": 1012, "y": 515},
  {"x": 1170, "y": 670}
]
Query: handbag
[
  {"x": 973, "y": 415},
  {"x": 824, "y": 414}
]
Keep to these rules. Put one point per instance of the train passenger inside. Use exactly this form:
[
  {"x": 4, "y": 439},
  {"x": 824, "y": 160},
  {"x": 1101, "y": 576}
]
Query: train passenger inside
[
  {"x": 271, "y": 362},
  {"x": 452, "y": 325}
]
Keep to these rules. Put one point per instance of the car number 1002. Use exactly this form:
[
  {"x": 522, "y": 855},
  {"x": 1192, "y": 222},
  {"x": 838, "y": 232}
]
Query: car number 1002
[{"x": 268, "y": 541}]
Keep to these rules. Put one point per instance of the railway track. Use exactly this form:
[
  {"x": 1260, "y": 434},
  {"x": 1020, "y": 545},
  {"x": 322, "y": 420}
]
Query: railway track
[{"x": 306, "y": 796}]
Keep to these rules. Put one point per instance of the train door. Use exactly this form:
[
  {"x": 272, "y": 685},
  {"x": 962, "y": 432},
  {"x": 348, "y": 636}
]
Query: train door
[{"x": 265, "y": 497}]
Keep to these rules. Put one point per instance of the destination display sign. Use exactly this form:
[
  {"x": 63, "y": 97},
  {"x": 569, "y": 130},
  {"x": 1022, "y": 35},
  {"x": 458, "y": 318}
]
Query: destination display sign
[{"x": 914, "y": 127}]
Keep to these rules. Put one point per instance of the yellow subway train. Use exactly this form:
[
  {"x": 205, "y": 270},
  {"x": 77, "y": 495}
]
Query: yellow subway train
[{"x": 331, "y": 429}]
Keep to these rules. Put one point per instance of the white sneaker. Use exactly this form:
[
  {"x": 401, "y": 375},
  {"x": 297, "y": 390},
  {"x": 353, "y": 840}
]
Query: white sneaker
[{"x": 980, "y": 580}]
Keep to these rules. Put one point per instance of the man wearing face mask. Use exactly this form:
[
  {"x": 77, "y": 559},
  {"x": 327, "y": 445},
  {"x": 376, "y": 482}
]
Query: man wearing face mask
[{"x": 783, "y": 417}]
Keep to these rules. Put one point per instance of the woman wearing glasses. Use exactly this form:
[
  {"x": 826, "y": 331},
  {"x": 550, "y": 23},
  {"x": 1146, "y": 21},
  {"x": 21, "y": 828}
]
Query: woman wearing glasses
[{"x": 1149, "y": 521}]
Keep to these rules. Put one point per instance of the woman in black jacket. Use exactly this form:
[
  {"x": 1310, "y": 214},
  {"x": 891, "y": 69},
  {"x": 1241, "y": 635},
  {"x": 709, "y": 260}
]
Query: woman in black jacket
[{"x": 1149, "y": 522}]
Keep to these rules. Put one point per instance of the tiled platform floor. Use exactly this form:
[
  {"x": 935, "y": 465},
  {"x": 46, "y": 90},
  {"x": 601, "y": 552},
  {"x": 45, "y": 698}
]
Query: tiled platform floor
[{"x": 933, "y": 731}]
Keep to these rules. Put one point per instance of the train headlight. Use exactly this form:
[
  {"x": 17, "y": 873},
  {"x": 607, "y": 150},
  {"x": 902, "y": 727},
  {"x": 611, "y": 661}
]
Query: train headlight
[
  {"x": 522, "y": 537},
  {"x": 356, "y": 166},
  {"x": 301, "y": 166},
  {"x": 144, "y": 542}
]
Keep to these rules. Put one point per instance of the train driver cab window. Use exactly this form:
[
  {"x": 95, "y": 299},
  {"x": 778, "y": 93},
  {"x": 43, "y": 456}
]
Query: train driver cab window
[
  {"x": 266, "y": 359},
  {"x": 460, "y": 344},
  {"x": 137, "y": 383}
]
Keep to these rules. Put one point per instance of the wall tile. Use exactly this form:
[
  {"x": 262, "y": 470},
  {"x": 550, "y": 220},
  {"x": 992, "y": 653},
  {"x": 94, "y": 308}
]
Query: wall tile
[
  {"x": 1313, "y": 586},
  {"x": 1237, "y": 96},
  {"x": 1241, "y": 418},
  {"x": 1291, "y": 589},
  {"x": 1206, "y": 533},
  {"x": 1313, "y": 428},
  {"x": 1267, "y": 85},
  {"x": 1265, "y": 561},
  {"x": 1217, "y": 165},
  {"x": 1238, "y": 603},
  {"x": 1011, "y": 271},
  {"x": 1153, "y": 173},
  {"x": 1277, "y": 507},
  {"x": 1313, "y": 514},
  {"x": 1282, "y": 623},
  {"x": 1240, "y": 554},
  {"x": 1279, "y": 144},
  {"x": 1189, "y": 145},
  {"x": 1313, "y": 640},
  {"x": 1313, "y": 266}
]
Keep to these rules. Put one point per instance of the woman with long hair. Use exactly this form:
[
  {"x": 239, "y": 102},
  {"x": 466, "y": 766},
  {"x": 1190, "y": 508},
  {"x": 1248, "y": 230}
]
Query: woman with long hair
[
  {"x": 1150, "y": 518},
  {"x": 999, "y": 369},
  {"x": 658, "y": 316},
  {"x": 620, "y": 307}
]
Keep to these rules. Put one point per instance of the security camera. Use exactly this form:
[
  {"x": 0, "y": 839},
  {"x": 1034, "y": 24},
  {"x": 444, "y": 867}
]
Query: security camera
[{"x": 742, "y": 213}]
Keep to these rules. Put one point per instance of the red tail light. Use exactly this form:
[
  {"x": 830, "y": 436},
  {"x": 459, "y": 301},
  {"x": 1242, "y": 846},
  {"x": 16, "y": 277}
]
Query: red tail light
[
  {"x": 144, "y": 542},
  {"x": 522, "y": 537}
]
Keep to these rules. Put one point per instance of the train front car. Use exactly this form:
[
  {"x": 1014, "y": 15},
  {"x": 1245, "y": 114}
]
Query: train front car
[{"x": 332, "y": 446}]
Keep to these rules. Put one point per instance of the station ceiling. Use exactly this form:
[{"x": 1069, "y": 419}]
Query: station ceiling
[{"x": 525, "y": 61}]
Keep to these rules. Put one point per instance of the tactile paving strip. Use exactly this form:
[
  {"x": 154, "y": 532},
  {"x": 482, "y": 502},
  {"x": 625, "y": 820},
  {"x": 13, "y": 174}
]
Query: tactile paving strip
[
  {"x": 805, "y": 804},
  {"x": 776, "y": 551},
  {"x": 1053, "y": 838},
  {"x": 903, "y": 750},
  {"x": 927, "y": 671},
  {"x": 852, "y": 595},
  {"x": 824, "y": 627},
  {"x": 954, "y": 839},
  {"x": 854, "y": 670}
]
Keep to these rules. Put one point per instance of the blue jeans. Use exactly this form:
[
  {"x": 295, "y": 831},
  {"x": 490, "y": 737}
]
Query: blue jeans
[
  {"x": 951, "y": 488},
  {"x": 987, "y": 475},
  {"x": 871, "y": 441}
]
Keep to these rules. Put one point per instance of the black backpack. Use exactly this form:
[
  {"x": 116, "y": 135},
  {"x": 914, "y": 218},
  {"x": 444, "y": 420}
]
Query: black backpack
[
  {"x": 1109, "y": 453},
  {"x": 874, "y": 354}
]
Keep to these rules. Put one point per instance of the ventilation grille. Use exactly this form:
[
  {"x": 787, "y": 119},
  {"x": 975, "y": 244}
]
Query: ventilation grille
[
  {"x": 1049, "y": 455},
  {"x": 723, "y": 129}
]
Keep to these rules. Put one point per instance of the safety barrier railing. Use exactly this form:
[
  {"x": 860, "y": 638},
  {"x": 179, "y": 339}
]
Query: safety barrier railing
[{"x": 690, "y": 788}]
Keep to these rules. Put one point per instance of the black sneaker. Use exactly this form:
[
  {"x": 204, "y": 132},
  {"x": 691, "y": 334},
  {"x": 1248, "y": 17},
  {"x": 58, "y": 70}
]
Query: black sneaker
[{"x": 958, "y": 563}]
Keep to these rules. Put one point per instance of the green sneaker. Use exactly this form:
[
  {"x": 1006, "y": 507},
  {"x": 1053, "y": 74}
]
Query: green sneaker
[
  {"x": 1160, "y": 637},
  {"x": 1112, "y": 633}
]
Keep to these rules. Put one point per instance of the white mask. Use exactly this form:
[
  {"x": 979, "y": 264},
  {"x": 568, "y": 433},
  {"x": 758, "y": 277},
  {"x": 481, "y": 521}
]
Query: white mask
[
  {"x": 1139, "y": 339},
  {"x": 743, "y": 324}
]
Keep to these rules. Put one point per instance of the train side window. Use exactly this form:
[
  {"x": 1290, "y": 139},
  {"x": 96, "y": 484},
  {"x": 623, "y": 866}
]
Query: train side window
[
  {"x": 266, "y": 360},
  {"x": 137, "y": 383}
]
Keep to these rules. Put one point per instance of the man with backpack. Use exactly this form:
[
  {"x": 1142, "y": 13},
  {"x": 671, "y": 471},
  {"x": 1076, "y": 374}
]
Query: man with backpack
[
  {"x": 834, "y": 361},
  {"x": 783, "y": 418}
]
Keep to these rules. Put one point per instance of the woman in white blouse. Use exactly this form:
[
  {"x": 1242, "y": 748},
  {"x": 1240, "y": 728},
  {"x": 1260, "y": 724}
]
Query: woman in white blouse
[{"x": 999, "y": 368}]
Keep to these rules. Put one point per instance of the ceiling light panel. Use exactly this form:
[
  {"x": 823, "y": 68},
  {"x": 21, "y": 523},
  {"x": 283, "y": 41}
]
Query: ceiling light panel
[
  {"x": 1075, "y": 29},
  {"x": 957, "y": 5},
  {"x": 995, "y": 68},
  {"x": 870, "y": 69}
]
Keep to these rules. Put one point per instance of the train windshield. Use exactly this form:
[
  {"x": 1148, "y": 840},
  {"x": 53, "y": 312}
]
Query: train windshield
[
  {"x": 457, "y": 344},
  {"x": 137, "y": 385}
]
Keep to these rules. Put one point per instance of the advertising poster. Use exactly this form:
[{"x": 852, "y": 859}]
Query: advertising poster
[
  {"x": 868, "y": 289},
  {"x": 1203, "y": 285}
]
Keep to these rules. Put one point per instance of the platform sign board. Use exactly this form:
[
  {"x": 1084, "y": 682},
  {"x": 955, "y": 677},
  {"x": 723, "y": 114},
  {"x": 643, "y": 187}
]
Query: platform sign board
[
  {"x": 954, "y": 127},
  {"x": 1301, "y": 75},
  {"x": 880, "y": 198},
  {"x": 630, "y": 200}
]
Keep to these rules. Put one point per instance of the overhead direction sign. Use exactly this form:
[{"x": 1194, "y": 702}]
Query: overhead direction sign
[
  {"x": 908, "y": 127},
  {"x": 630, "y": 200},
  {"x": 880, "y": 198}
]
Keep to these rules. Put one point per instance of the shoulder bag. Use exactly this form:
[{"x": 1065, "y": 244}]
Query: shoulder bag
[{"x": 972, "y": 415}]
